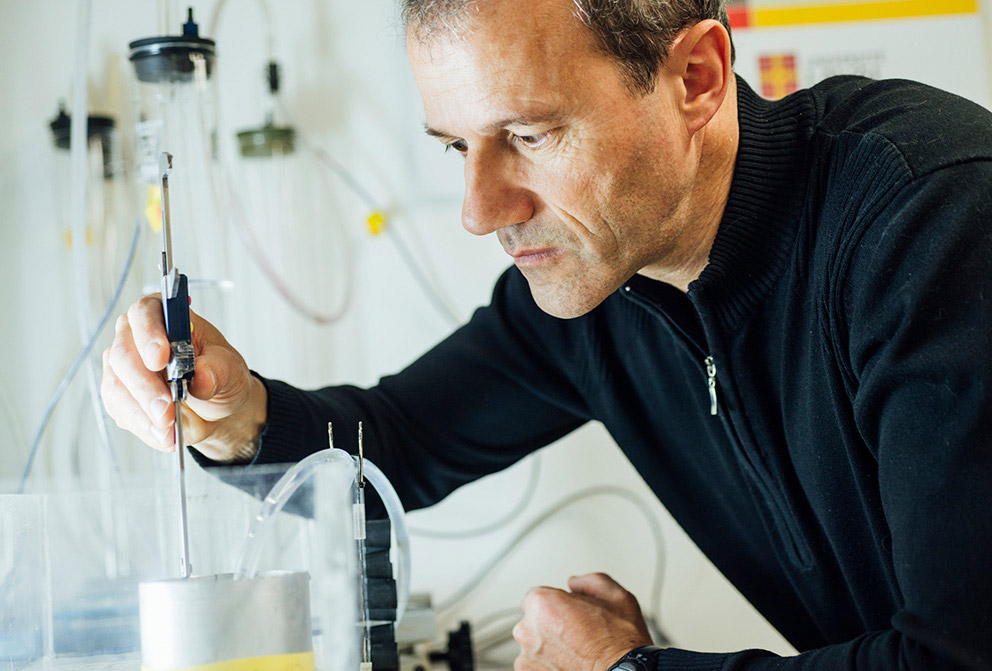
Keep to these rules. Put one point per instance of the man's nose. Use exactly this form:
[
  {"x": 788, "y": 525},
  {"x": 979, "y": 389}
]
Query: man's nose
[{"x": 494, "y": 195}]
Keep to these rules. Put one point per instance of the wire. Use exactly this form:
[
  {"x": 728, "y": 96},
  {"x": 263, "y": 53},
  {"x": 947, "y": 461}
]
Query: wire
[
  {"x": 434, "y": 296},
  {"x": 430, "y": 292},
  {"x": 81, "y": 358},
  {"x": 604, "y": 490},
  {"x": 495, "y": 665},
  {"x": 247, "y": 234},
  {"x": 78, "y": 204},
  {"x": 269, "y": 26},
  {"x": 529, "y": 491},
  {"x": 502, "y": 614},
  {"x": 440, "y": 303},
  {"x": 254, "y": 248},
  {"x": 493, "y": 641},
  {"x": 483, "y": 643},
  {"x": 13, "y": 422}
]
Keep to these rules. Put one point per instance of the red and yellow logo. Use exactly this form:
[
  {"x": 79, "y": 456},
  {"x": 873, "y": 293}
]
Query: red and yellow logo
[
  {"x": 778, "y": 75},
  {"x": 777, "y": 13}
]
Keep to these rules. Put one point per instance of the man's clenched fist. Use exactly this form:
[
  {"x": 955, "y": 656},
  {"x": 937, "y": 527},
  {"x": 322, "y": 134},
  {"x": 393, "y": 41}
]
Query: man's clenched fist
[{"x": 586, "y": 629}]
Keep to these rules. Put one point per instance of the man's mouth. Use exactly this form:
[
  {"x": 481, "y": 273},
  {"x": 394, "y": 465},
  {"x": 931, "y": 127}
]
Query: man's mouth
[{"x": 535, "y": 256}]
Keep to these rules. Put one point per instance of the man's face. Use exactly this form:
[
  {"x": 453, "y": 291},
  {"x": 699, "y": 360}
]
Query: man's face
[{"x": 584, "y": 182}]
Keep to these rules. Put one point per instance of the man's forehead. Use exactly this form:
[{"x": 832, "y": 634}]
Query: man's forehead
[
  {"x": 513, "y": 62},
  {"x": 454, "y": 19},
  {"x": 481, "y": 97},
  {"x": 504, "y": 31}
]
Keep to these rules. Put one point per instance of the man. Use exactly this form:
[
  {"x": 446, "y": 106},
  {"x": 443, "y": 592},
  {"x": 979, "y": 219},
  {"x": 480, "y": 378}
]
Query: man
[{"x": 781, "y": 312}]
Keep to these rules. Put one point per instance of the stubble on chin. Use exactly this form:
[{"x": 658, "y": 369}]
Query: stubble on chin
[{"x": 569, "y": 294}]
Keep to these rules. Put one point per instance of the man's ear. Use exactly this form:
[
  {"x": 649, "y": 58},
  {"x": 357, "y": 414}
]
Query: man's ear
[{"x": 700, "y": 58}]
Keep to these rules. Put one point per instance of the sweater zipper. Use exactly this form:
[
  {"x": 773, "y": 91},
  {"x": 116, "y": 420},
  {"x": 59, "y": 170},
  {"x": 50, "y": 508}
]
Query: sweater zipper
[
  {"x": 711, "y": 383},
  {"x": 709, "y": 365},
  {"x": 783, "y": 520}
]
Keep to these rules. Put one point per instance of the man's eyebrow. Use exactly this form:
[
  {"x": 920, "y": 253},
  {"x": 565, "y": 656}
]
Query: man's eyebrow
[
  {"x": 433, "y": 132},
  {"x": 516, "y": 120}
]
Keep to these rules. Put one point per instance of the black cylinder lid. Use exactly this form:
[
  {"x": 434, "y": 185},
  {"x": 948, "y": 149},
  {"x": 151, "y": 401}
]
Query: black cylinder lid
[
  {"x": 167, "y": 59},
  {"x": 61, "y": 127}
]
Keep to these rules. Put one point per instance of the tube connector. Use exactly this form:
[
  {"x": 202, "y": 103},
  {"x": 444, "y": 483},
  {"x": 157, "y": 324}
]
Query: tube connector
[
  {"x": 190, "y": 28},
  {"x": 274, "y": 77}
]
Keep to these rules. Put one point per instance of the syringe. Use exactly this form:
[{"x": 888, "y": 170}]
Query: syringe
[{"x": 179, "y": 370}]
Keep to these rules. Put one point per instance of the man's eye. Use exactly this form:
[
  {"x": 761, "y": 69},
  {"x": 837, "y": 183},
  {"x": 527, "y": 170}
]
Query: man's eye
[
  {"x": 457, "y": 145},
  {"x": 531, "y": 141}
]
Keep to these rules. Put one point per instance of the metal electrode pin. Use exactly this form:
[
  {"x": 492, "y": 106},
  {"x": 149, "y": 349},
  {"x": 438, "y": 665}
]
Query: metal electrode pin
[
  {"x": 179, "y": 392},
  {"x": 179, "y": 370},
  {"x": 361, "y": 457}
]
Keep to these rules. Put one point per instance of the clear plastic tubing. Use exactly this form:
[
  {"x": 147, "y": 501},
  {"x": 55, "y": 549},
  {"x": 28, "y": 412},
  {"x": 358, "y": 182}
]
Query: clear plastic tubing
[
  {"x": 78, "y": 143},
  {"x": 288, "y": 484}
]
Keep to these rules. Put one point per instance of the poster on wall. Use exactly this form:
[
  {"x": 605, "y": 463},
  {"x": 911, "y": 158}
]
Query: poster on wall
[{"x": 784, "y": 45}]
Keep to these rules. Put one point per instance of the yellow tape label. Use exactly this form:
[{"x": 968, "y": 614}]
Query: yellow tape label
[{"x": 771, "y": 14}]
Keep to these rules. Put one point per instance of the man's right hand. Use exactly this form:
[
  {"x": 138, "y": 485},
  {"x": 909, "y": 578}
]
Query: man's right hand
[{"x": 225, "y": 409}]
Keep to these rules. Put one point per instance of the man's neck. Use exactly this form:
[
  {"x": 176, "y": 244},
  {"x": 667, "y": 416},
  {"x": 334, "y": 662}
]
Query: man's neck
[{"x": 707, "y": 198}]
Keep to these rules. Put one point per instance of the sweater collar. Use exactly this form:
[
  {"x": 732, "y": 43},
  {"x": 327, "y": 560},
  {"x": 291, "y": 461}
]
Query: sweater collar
[{"x": 756, "y": 236}]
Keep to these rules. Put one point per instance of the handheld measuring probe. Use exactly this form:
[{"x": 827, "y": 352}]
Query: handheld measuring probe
[{"x": 179, "y": 370}]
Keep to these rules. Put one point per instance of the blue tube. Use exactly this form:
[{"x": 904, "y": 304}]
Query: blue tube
[{"x": 81, "y": 358}]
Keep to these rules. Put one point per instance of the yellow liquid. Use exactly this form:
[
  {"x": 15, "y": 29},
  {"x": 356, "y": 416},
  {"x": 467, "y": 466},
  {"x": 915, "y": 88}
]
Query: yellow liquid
[{"x": 299, "y": 661}]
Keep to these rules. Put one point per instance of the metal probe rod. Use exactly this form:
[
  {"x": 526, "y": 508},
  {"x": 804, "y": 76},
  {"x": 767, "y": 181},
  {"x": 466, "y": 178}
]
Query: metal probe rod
[
  {"x": 178, "y": 385},
  {"x": 179, "y": 392}
]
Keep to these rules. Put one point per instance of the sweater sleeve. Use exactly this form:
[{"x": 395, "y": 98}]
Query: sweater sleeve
[
  {"x": 488, "y": 395},
  {"x": 920, "y": 342}
]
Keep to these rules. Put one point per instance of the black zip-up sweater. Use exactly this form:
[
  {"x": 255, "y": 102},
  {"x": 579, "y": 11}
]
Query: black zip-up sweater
[{"x": 845, "y": 483}]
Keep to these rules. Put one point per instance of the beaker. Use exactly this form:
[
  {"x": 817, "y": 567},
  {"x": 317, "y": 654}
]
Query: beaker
[
  {"x": 263, "y": 619},
  {"x": 25, "y": 588}
]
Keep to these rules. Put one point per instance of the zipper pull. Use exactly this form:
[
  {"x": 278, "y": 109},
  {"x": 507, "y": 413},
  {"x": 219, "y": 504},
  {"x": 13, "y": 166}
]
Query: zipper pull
[{"x": 711, "y": 383}]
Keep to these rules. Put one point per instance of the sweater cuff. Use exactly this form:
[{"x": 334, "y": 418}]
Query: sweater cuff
[
  {"x": 675, "y": 659},
  {"x": 280, "y": 440}
]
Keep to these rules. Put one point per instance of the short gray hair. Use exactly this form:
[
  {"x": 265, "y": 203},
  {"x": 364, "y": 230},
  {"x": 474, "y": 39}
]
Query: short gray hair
[{"x": 638, "y": 34}]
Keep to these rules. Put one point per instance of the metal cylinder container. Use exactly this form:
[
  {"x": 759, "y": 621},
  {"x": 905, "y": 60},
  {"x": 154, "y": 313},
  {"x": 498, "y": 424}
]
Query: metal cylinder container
[{"x": 216, "y": 622}]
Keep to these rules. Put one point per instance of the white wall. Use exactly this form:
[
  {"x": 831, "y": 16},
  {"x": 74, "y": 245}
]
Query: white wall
[{"x": 347, "y": 84}]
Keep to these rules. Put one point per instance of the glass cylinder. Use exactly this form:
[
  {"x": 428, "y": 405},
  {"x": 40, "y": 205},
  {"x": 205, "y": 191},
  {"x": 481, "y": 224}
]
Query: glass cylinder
[
  {"x": 77, "y": 453},
  {"x": 294, "y": 218},
  {"x": 173, "y": 110},
  {"x": 108, "y": 226}
]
